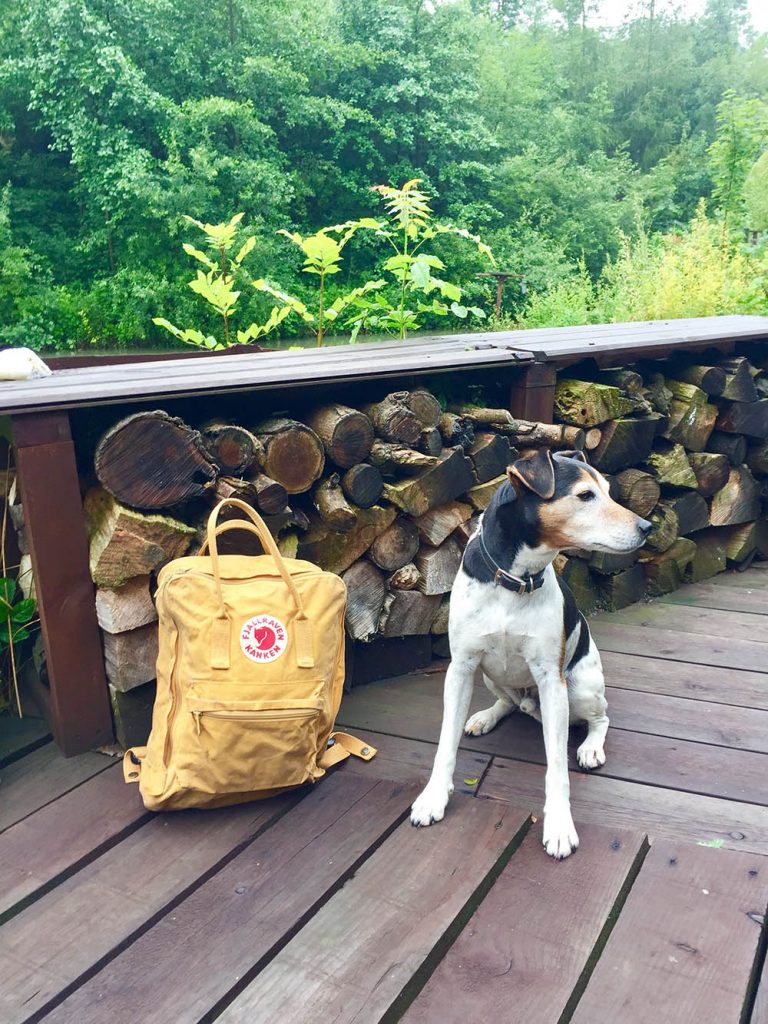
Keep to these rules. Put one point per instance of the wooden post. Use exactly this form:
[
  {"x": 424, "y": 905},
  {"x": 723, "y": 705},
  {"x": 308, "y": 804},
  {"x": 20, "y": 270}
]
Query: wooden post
[
  {"x": 53, "y": 513},
  {"x": 533, "y": 393}
]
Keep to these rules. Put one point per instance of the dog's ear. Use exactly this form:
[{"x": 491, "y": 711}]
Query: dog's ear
[
  {"x": 536, "y": 473},
  {"x": 576, "y": 456}
]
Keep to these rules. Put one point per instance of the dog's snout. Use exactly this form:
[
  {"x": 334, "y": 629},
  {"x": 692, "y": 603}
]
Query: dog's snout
[{"x": 644, "y": 526}]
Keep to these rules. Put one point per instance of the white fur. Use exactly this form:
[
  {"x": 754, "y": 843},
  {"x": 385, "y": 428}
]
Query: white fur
[{"x": 21, "y": 364}]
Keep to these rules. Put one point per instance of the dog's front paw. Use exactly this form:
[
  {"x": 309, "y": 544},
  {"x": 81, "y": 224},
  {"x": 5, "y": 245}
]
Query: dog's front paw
[
  {"x": 590, "y": 755},
  {"x": 560, "y": 839},
  {"x": 430, "y": 806},
  {"x": 481, "y": 722}
]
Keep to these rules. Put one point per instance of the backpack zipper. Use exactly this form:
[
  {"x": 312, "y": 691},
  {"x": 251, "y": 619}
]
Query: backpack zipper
[{"x": 252, "y": 716}]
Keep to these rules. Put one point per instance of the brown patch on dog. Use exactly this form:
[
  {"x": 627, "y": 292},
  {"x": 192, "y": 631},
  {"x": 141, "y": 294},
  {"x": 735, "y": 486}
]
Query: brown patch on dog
[
  {"x": 536, "y": 473},
  {"x": 555, "y": 516}
]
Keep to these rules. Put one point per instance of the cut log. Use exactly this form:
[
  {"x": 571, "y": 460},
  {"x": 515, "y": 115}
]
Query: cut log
[
  {"x": 438, "y": 567},
  {"x": 576, "y": 573},
  {"x": 671, "y": 467},
  {"x": 629, "y": 381},
  {"x": 236, "y": 487},
  {"x": 430, "y": 441},
  {"x": 691, "y": 510},
  {"x": 638, "y": 491},
  {"x": 130, "y": 658},
  {"x": 586, "y": 404},
  {"x": 393, "y": 419},
  {"x": 346, "y": 434},
  {"x": 623, "y": 443},
  {"x": 757, "y": 459},
  {"x": 436, "y": 526},
  {"x": 127, "y": 607},
  {"x": 125, "y": 543},
  {"x": 151, "y": 461},
  {"x": 396, "y": 546},
  {"x": 293, "y": 454},
  {"x": 398, "y": 459},
  {"x": 592, "y": 438},
  {"x": 408, "y": 613},
  {"x": 490, "y": 455},
  {"x": 657, "y": 393},
  {"x": 666, "y": 572},
  {"x": 332, "y": 505},
  {"x": 750, "y": 418},
  {"x": 270, "y": 496},
  {"x": 440, "y": 621},
  {"x": 441, "y": 483},
  {"x": 739, "y": 385},
  {"x": 463, "y": 533},
  {"x": 337, "y": 551},
  {"x": 606, "y": 563},
  {"x": 734, "y": 446},
  {"x": 665, "y": 529},
  {"x": 711, "y": 471},
  {"x": 456, "y": 430},
  {"x": 526, "y": 433},
  {"x": 425, "y": 407},
  {"x": 406, "y": 578},
  {"x": 711, "y": 379},
  {"x": 623, "y": 588},
  {"x": 710, "y": 557},
  {"x": 362, "y": 485},
  {"x": 234, "y": 449},
  {"x": 738, "y": 501},
  {"x": 481, "y": 416},
  {"x": 741, "y": 542},
  {"x": 691, "y": 418},
  {"x": 480, "y": 497},
  {"x": 366, "y": 591}
]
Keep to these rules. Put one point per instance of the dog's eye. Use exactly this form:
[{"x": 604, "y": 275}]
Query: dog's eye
[{"x": 585, "y": 495}]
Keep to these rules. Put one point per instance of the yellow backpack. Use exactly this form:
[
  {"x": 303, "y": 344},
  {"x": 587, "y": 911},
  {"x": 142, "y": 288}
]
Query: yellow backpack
[{"x": 250, "y": 674}]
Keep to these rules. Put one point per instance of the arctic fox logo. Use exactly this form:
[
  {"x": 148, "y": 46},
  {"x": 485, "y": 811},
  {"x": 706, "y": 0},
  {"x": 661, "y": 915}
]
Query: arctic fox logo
[{"x": 263, "y": 638}]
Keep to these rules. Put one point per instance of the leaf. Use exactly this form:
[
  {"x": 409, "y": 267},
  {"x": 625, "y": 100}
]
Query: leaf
[
  {"x": 459, "y": 311},
  {"x": 449, "y": 291},
  {"x": 471, "y": 782},
  {"x": 190, "y": 250},
  {"x": 24, "y": 610},
  {"x": 477, "y": 312},
  {"x": 715, "y": 843},
  {"x": 7, "y": 589},
  {"x": 322, "y": 249},
  {"x": 420, "y": 273},
  {"x": 399, "y": 262},
  {"x": 246, "y": 248}
]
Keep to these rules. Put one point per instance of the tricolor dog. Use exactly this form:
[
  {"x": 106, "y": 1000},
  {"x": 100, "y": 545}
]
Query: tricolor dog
[{"x": 512, "y": 618}]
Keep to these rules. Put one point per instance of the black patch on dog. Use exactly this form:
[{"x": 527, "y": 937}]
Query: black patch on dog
[{"x": 573, "y": 619}]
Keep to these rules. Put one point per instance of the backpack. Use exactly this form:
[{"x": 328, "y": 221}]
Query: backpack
[{"x": 250, "y": 673}]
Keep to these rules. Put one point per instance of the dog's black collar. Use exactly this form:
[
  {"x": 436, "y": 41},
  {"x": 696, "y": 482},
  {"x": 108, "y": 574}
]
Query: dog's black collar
[{"x": 517, "y": 584}]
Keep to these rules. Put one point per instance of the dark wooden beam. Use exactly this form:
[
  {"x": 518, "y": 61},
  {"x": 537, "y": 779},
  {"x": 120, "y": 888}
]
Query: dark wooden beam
[
  {"x": 53, "y": 513},
  {"x": 533, "y": 393}
]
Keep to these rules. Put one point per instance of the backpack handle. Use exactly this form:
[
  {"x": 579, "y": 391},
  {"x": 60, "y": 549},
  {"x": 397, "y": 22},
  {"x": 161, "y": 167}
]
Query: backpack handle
[{"x": 257, "y": 525}]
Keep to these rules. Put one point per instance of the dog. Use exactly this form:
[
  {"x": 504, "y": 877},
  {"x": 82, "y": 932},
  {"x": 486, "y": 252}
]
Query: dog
[{"x": 516, "y": 621}]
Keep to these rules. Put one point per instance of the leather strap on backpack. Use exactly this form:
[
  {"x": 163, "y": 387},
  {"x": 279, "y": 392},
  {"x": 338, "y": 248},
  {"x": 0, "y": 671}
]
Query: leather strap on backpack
[
  {"x": 340, "y": 746},
  {"x": 132, "y": 759}
]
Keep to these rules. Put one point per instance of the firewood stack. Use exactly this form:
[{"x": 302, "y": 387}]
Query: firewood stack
[{"x": 684, "y": 444}]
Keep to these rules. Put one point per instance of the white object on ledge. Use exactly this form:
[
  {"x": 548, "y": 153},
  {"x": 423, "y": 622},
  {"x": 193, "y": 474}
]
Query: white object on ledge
[{"x": 21, "y": 364}]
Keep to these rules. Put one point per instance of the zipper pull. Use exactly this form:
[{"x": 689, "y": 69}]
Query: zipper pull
[{"x": 196, "y": 715}]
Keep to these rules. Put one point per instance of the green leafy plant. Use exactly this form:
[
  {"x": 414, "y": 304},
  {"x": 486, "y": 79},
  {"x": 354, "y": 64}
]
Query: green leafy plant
[
  {"x": 17, "y": 616},
  {"x": 322, "y": 258},
  {"x": 419, "y": 291},
  {"x": 217, "y": 285}
]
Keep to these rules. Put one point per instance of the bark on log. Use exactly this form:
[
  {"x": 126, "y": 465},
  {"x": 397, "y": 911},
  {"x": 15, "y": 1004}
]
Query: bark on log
[
  {"x": 666, "y": 572},
  {"x": 739, "y": 386},
  {"x": 332, "y": 505},
  {"x": 711, "y": 379},
  {"x": 691, "y": 510},
  {"x": 741, "y": 542},
  {"x": 234, "y": 449},
  {"x": 734, "y": 446},
  {"x": 483, "y": 417},
  {"x": 436, "y": 526},
  {"x": 757, "y": 459},
  {"x": 750, "y": 418},
  {"x": 671, "y": 467},
  {"x": 623, "y": 588},
  {"x": 408, "y": 613},
  {"x": 440, "y": 621},
  {"x": 657, "y": 393},
  {"x": 393, "y": 419},
  {"x": 456, "y": 430},
  {"x": 130, "y": 658},
  {"x": 529, "y": 434},
  {"x": 691, "y": 418},
  {"x": 425, "y": 407},
  {"x": 606, "y": 563},
  {"x": 125, "y": 543},
  {"x": 637, "y": 490},
  {"x": 738, "y": 501},
  {"x": 711, "y": 471},
  {"x": 396, "y": 546},
  {"x": 430, "y": 441},
  {"x": 463, "y": 533},
  {"x": 585, "y": 404},
  {"x": 127, "y": 607},
  {"x": 710, "y": 557},
  {"x": 490, "y": 455},
  {"x": 576, "y": 573},
  {"x": 629, "y": 381},
  {"x": 480, "y": 497},
  {"x": 271, "y": 497},
  {"x": 346, "y": 434},
  {"x": 366, "y": 591},
  {"x": 624, "y": 443},
  {"x": 293, "y": 454},
  {"x": 665, "y": 529},
  {"x": 438, "y": 567},
  {"x": 441, "y": 483},
  {"x": 405, "y": 578},
  {"x": 337, "y": 551},
  {"x": 397, "y": 459},
  {"x": 362, "y": 485},
  {"x": 152, "y": 461}
]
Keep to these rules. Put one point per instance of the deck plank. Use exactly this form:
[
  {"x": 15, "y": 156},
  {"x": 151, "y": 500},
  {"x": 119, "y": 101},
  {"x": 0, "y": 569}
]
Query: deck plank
[
  {"x": 684, "y": 945},
  {"x": 528, "y": 943},
  {"x": 677, "y": 645},
  {"x": 662, "y": 813},
  {"x": 40, "y": 777},
  {"x": 728, "y": 598},
  {"x": 760, "y": 1009},
  {"x": 709, "y": 622},
  {"x": 45, "y": 845},
  {"x": 232, "y": 923},
  {"x": 51, "y": 944},
  {"x": 19, "y": 736},
  {"x": 754, "y": 579},
  {"x": 352, "y": 961}
]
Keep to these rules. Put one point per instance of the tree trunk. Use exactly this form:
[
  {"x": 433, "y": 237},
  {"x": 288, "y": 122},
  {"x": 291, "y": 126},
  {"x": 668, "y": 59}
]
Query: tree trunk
[
  {"x": 366, "y": 591},
  {"x": 234, "y": 449},
  {"x": 490, "y": 455},
  {"x": 294, "y": 454},
  {"x": 637, "y": 490},
  {"x": 438, "y": 567},
  {"x": 346, "y": 434},
  {"x": 362, "y": 485},
  {"x": 711, "y": 471},
  {"x": 396, "y": 546},
  {"x": 150, "y": 460},
  {"x": 437, "y": 485},
  {"x": 738, "y": 501},
  {"x": 394, "y": 420},
  {"x": 332, "y": 505}
]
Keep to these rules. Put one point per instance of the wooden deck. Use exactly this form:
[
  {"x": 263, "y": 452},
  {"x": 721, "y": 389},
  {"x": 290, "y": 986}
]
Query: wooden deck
[{"x": 327, "y": 905}]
